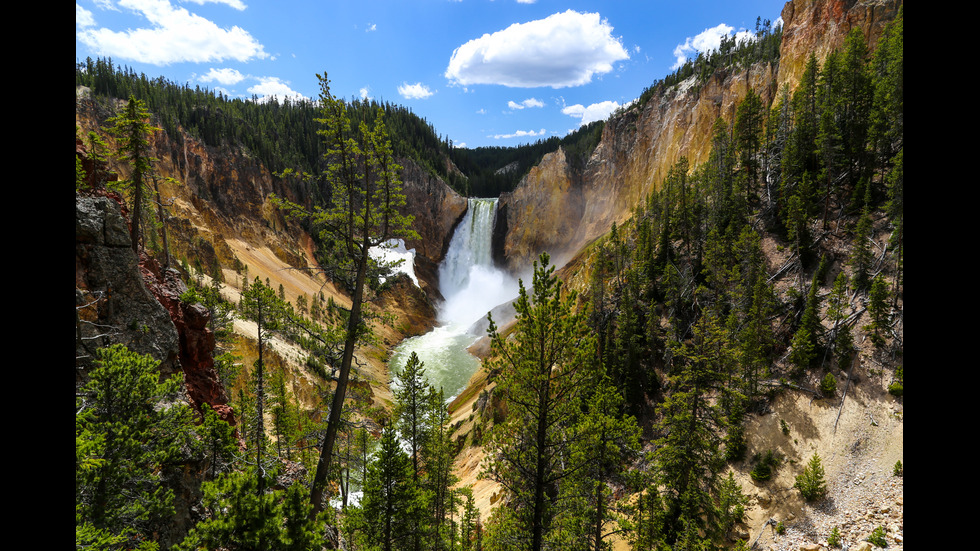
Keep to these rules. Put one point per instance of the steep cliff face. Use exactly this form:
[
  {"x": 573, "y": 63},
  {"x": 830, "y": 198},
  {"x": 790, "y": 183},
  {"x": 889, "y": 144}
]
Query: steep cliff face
[
  {"x": 551, "y": 194},
  {"x": 437, "y": 209},
  {"x": 819, "y": 27},
  {"x": 112, "y": 303},
  {"x": 122, "y": 299},
  {"x": 557, "y": 211}
]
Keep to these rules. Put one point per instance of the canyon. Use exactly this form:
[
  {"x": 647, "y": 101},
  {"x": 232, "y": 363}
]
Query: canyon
[{"x": 221, "y": 213}]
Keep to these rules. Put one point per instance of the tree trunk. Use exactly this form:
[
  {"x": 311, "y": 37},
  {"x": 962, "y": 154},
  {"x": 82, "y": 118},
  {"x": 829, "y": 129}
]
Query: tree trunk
[{"x": 337, "y": 405}]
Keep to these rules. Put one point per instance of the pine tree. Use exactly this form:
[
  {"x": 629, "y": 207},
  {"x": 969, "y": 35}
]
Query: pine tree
[
  {"x": 365, "y": 194},
  {"x": 688, "y": 457},
  {"x": 811, "y": 482},
  {"x": 748, "y": 138},
  {"x": 130, "y": 428},
  {"x": 604, "y": 443},
  {"x": 861, "y": 255},
  {"x": 413, "y": 397},
  {"x": 259, "y": 303},
  {"x": 440, "y": 452},
  {"x": 132, "y": 130},
  {"x": 888, "y": 82},
  {"x": 878, "y": 309},
  {"x": 392, "y": 505},
  {"x": 840, "y": 334},
  {"x": 544, "y": 370},
  {"x": 806, "y": 340},
  {"x": 218, "y": 437}
]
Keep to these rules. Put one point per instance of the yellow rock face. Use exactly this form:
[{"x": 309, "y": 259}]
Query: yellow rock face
[{"x": 558, "y": 211}]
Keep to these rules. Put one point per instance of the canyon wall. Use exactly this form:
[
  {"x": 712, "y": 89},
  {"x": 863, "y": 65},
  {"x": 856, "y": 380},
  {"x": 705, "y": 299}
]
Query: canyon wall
[{"x": 556, "y": 210}]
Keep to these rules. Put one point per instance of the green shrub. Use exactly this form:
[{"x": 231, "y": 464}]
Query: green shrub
[
  {"x": 810, "y": 482},
  {"x": 764, "y": 466},
  {"x": 898, "y": 469},
  {"x": 828, "y": 386},
  {"x": 897, "y": 387},
  {"x": 834, "y": 539},
  {"x": 877, "y": 537}
]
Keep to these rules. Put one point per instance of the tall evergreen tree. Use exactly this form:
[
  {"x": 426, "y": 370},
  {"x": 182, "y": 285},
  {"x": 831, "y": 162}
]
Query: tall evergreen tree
[
  {"x": 544, "y": 370},
  {"x": 260, "y": 304},
  {"x": 413, "y": 399},
  {"x": 605, "y": 443},
  {"x": 132, "y": 130},
  {"x": 688, "y": 457},
  {"x": 806, "y": 340},
  {"x": 364, "y": 195},
  {"x": 748, "y": 139},
  {"x": 392, "y": 505}
]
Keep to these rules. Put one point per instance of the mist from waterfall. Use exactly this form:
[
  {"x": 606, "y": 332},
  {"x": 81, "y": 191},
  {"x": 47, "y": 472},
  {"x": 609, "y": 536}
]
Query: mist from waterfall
[{"x": 471, "y": 286}]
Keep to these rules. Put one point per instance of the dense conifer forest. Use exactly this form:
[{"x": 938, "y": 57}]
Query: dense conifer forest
[
  {"x": 679, "y": 333},
  {"x": 283, "y": 134}
]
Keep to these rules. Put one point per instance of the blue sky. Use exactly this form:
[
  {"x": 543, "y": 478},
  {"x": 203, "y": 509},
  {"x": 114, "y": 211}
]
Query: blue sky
[{"x": 482, "y": 72}]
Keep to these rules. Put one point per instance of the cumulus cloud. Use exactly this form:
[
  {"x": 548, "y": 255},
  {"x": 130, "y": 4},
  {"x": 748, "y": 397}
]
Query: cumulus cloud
[
  {"x": 414, "y": 91},
  {"x": 273, "y": 87},
  {"x": 226, "y": 76},
  {"x": 83, "y": 17},
  {"x": 564, "y": 49},
  {"x": 529, "y": 102},
  {"x": 364, "y": 92},
  {"x": 519, "y": 134},
  {"x": 174, "y": 35},
  {"x": 706, "y": 41},
  {"x": 595, "y": 112}
]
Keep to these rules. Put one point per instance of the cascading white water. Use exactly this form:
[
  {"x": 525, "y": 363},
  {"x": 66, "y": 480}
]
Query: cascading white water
[{"x": 471, "y": 286}]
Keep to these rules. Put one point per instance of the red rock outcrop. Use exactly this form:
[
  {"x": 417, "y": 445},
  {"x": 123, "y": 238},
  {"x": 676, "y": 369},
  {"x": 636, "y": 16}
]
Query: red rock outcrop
[{"x": 194, "y": 336}]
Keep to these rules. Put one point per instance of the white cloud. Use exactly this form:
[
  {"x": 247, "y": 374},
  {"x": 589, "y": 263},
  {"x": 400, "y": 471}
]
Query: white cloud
[
  {"x": 529, "y": 102},
  {"x": 269, "y": 87},
  {"x": 223, "y": 76},
  {"x": 595, "y": 112},
  {"x": 364, "y": 92},
  {"x": 174, "y": 35},
  {"x": 236, "y": 4},
  {"x": 564, "y": 49},
  {"x": 414, "y": 91},
  {"x": 519, "y": 134},
  {"x": 83, "y": 17},
  {"x": 373, "y": 27},
  {"x": 105, "y": 5},
  {"x": 706, "y": 41}
]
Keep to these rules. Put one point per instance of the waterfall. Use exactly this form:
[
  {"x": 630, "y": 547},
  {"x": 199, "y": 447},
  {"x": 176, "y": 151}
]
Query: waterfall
[
  {"x": 471, "y": 286},
  {"x": 468, "y": 280}
]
